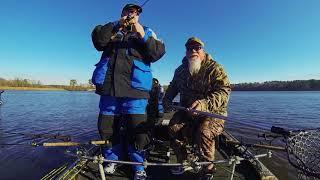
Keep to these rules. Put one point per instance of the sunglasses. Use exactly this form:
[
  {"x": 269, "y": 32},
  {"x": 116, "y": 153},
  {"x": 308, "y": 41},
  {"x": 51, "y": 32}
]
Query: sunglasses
[
  {"x": 131, "y": 11},
  {"x": 196, "y": 48}
]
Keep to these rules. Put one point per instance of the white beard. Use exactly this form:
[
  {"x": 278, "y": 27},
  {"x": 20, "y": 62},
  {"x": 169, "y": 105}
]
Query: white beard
[{"x": 194, "y": 66}]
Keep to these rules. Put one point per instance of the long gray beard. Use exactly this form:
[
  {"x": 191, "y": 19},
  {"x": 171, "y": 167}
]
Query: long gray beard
[{"x": 194, "y": 66}]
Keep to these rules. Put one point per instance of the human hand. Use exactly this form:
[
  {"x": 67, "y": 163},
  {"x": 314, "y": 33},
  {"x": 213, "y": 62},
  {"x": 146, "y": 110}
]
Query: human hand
[
  {"x": 196, "y": 105},
  {"x": 138, "y": 28},
  {"x": 134, "y": 22},
  {"x": 124, "y": 21},
  {"x": 133, "y": 19}
]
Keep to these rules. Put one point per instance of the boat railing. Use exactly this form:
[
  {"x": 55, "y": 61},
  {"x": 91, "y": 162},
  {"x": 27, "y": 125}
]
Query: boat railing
[{"x": 196, "y": 166}]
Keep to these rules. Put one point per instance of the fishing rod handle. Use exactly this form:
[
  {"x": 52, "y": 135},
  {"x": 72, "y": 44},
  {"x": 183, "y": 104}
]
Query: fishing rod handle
[
  {"x": 212, "y": 115},
  {"x": 61, "y": 144},
  {"x": 101, "y": 142}
]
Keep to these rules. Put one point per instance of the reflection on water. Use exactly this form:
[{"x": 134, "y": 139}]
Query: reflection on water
[
  {"x": 75, "y": 114},
  {"x": 67, "y": 113}
]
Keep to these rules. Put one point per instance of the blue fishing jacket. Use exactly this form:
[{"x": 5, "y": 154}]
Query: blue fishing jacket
[{"x": 124, "y": 67}]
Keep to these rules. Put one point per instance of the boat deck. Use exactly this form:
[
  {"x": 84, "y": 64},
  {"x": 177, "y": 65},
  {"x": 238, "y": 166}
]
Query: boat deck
[
  {"x": 251, "y": 169},
  {"x": 242, "y": 171}
]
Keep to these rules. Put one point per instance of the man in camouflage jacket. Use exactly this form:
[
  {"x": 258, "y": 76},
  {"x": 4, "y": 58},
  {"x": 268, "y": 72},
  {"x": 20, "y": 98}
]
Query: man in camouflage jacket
[{"x": 203, "y": 85}]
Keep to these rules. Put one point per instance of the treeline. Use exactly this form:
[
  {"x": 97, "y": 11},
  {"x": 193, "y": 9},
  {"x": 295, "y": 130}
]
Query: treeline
[
  {"x": 37, "y": 84},
  {"x": 296, "y": 85},
  {"x": 20, "y": 83}
]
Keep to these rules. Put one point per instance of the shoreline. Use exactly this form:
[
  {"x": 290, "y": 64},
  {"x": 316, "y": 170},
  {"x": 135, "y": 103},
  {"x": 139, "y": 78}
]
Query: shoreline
[
  {"x": 65, "y": 89},
  {"x": 31, "y": 88}
]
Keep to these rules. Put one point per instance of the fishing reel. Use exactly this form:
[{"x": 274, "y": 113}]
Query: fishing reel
[
  {"x": 129, "y": 25},
  {"x": 126, "y": 25}
]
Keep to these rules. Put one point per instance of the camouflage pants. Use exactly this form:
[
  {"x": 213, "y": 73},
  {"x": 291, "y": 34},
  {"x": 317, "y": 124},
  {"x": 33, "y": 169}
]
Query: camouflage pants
[{"x": 202, "y": 131}]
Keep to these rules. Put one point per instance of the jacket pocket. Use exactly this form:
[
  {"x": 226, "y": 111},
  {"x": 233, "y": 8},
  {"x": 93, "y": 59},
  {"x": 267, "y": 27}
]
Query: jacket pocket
[
  {"x": 141, "y": 77},
  {"x": 100, "y": 71}
]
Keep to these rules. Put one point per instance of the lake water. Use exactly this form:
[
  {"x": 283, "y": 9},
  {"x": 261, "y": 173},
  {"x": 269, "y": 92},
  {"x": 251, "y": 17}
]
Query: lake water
[{"x": 75, "y": 114}]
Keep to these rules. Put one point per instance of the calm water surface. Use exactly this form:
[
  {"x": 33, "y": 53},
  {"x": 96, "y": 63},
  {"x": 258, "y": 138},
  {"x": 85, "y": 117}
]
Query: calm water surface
[{"x": 75, "y": 114}]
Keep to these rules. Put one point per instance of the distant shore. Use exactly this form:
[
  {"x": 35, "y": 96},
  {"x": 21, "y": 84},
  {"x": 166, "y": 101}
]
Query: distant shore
[
  {"x": 165, "y": 87},
  {"x": 32, "y": 88},
  {"x": 296, "y": 85}
]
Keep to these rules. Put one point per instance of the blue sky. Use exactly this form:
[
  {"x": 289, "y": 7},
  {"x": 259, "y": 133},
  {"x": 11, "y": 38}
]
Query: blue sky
[{"x": 254, "y": 40}]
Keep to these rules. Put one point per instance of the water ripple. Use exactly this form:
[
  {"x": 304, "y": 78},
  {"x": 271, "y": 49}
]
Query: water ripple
[{"x": 76, "y": 113}]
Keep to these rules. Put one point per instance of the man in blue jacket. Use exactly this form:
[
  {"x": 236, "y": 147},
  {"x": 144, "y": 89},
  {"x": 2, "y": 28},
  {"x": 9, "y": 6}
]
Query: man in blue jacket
[{"x": 123, "y": 79}]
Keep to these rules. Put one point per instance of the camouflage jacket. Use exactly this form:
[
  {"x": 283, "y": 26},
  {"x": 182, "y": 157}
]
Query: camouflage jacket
[{"x": 211, "y": 86}]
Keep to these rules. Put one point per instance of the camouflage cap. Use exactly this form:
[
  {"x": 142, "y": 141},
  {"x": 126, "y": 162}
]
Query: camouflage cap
[
  {"x": 193, "y": 40},
  {"x": 127, "y": 6}
]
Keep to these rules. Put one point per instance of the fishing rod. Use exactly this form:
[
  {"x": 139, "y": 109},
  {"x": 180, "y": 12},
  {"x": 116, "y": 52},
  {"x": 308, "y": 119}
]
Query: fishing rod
[
  {"x": 69, "y": 143},
  {"x": 36, "y": 136},
  {"x": 263, "y": 146},
  {"x": 200, "y": 112},
  {"x": 189, "y": 165},
  {"x": 144, "y": 3},
  {"x": 65, "y": 144},
  {"x": 58, "y": 144},
  {"x": 145, "y": 163},
  {"x": 49, "y": 136}
]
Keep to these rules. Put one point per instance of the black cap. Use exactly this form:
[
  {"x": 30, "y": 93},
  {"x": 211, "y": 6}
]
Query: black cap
[
  {"x": 127, "y": 6},
  {"x": 155, "y": 80}
]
